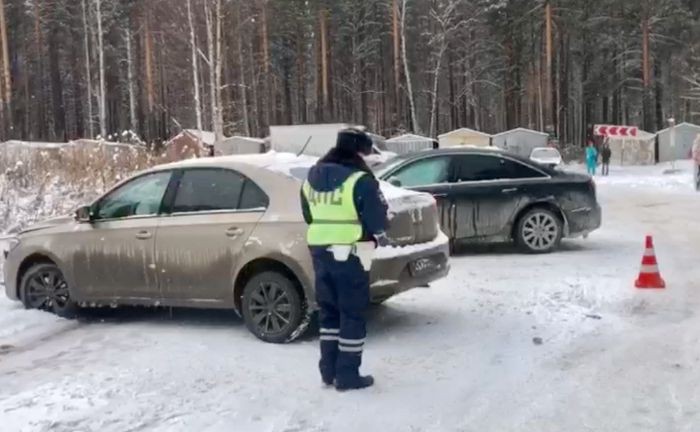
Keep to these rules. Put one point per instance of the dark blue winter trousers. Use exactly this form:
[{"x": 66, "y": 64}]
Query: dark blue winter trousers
[{"x": 342, "y": 294}]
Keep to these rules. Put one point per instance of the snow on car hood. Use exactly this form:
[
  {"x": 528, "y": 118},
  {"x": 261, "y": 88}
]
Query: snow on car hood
[{"x": 399, "y": 199}]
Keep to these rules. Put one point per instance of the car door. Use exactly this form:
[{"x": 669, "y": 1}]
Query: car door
[
  {"x": 430, "y": 175},
  {"x": 212, "y": 214},
  {"x": 114, "y": 253},
  {"x": 489, "y": 189}
]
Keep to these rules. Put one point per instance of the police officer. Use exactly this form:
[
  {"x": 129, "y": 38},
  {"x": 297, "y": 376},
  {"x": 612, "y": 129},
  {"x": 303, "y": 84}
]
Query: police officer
[{"x": 346, "y": 211}]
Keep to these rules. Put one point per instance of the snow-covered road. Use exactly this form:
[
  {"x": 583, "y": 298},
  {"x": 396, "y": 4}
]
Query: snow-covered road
[{"x": 507, "y": 343}]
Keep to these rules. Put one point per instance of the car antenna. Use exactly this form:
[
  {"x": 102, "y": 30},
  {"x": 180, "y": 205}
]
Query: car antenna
[{"x": 304, "y": 148}]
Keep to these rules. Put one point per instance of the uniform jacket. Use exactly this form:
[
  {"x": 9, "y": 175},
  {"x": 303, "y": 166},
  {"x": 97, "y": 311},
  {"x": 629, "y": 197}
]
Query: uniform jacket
[{"x": 369, "y": 201}]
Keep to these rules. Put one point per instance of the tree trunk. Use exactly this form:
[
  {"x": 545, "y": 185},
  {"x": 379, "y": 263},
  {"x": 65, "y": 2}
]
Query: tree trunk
[
  {"x": 195, "y": 68},
  {"x": 434, "y": 94},
  {"x": 219, "y": 114},
  {"x": 322, "y": 16},
  {"x": 659, "y": 96},
  {"x": 397, "y": 59},
  {"x": 646, "y": 74},
  {"x": 548, "y": 94},
  {"x": 88, "y": 71},
  {"x": 133, "y": 121},
  {"x": 101, "y": 56},
  {"x": 214, "y": 69},
  {"x": 38, "y": 84},
  {"x": 148, "y": 66},
  {"x": 267, "y": 87},
  {"x": 409, "y": 86},
  {"x": 59, "y": 113},
  {"x": 241, "y": 65},
  {"x": 5, "y": 62},
  {"x": 78, "y": 127}
]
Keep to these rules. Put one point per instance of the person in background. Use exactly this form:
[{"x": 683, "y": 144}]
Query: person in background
[
  {"x": 347, "y": 217},
  {"x": 591, "y": 158},
  {"x": 696, "y": 162},
  {"x": 605, "y": 155}
]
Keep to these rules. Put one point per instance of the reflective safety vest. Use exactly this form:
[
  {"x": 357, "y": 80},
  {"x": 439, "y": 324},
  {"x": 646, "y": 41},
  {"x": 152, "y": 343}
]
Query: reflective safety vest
[{"x": 335, "y": 219}]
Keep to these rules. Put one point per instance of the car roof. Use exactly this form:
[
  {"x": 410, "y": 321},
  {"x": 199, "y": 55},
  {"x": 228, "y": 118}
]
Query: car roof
[
  {"x": 466, "y": 150},
  {"x": 463, "y": 150}
]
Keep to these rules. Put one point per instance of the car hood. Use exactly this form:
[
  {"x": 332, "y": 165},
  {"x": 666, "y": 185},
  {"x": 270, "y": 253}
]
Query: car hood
[{"x": 46, "y": 224}]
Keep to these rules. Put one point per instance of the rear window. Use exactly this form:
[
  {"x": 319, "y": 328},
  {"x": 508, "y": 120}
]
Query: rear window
[{"x": 207, "y": 189}]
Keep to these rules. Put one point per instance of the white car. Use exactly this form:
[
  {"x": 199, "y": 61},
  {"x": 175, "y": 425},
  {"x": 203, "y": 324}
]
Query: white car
[{"x": 546, "y": 156}]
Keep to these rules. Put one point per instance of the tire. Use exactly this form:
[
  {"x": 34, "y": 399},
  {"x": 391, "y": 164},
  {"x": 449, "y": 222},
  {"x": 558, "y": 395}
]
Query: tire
[
  {"x": 43, "y": 287},
  {"x": 539, "y": 231},
  {"x": 272, "y": 307}
]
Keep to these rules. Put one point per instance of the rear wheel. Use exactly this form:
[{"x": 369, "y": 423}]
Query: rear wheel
[
  {"x": 539, "y": 231},
  {"x": 44, "y": 287},
  {"x": 272, "y": 307}
]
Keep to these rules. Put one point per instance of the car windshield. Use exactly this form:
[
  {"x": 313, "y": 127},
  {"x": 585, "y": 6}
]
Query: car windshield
[
  {"x": 384, "y": 167},
  {"x": 545, "y": 153}
]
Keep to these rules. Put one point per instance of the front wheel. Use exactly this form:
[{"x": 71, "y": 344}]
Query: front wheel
[
  {"x": 539, "y": 231},
  {"x": 272, "y": 307},
  {"x": 44, "y": 287}
]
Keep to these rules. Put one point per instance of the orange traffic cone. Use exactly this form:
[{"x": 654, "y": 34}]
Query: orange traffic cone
[{"x": 649, "y": 276}]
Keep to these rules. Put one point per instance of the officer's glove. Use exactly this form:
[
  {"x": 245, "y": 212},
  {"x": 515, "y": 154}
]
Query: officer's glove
[{"x": 381, "y": 240}]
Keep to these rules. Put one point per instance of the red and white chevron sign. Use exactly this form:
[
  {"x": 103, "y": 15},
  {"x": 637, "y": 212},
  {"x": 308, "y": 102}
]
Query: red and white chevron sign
[{"x": 615, "y": 131}]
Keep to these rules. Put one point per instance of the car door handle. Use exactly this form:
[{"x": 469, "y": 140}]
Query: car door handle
[
  {"x": 509, "y": 190},
  {"x": 234, "y": 232},
  {"x": 143, "y": 235}
]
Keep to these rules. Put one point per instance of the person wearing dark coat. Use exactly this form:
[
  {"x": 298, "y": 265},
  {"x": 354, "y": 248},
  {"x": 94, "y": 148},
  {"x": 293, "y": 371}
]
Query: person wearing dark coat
[
  {"x": 605, "y": 155},
  {"x": 347, "y": 214}
]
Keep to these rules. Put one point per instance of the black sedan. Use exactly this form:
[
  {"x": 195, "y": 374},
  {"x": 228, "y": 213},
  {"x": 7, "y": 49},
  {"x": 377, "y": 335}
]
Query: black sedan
[{"x": 490, "y": 196}]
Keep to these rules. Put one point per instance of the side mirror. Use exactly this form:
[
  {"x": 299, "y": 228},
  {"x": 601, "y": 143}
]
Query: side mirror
[
  {"x": 83, "y": 214},
  {"x": 395, "y": 181}
]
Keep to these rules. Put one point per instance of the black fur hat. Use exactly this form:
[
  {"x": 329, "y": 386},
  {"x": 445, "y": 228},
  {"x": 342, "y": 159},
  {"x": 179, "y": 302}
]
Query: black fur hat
[{"x": 354, "y": 140}]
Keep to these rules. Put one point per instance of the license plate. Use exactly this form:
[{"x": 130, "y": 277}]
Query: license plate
[{"x": 422, "y": 266}]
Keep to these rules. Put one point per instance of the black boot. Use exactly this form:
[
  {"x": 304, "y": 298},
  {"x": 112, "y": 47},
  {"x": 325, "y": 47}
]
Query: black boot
[
  {"x": 328, "y": 381},
  {"x": 359, "y": 383}
]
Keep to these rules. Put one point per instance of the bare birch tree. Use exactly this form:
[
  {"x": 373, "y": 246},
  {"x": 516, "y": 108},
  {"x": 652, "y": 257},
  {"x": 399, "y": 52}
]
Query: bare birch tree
[
  {"x": 5, "y": 59},
  {"x": 407, "y": 72},
  {"x": 102, "y": 101},
  {"x": 241, "y": 71},
  {"x": 214, "y": 63},
  {"x": 195, "y": 67},
  {"x": 447, "y": 20},
  {"x": 133, "y": 120},
  {"x": 88, "y": 70},
  {"x": 219, "y": 114}
]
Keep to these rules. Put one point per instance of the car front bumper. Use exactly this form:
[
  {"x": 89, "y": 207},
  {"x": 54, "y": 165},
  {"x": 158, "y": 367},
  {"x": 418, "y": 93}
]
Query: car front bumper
[
  {"x": 395, "y": 270},
  {"x": 583, "y": 221}
]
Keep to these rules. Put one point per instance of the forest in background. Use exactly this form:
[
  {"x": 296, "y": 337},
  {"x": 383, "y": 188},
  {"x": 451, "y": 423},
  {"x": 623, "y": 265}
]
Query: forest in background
[{"x": 86, "y": 68}]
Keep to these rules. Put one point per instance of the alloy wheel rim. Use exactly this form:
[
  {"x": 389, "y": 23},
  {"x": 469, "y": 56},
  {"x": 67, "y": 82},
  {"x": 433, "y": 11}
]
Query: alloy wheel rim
[
  {"x": 47, "y": 289},
  {"x": 270, "y": 307},
  {"x": 540, "y": 231}
]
